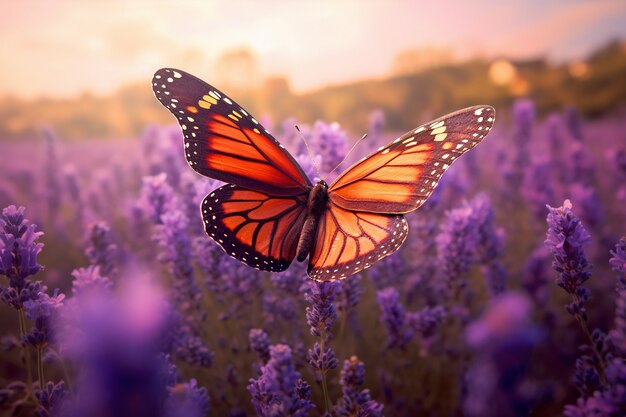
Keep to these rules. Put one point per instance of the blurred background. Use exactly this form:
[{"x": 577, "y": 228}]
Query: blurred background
[
  {"x": 85, "y": 67},
  {"x": 115, "y": 303}
]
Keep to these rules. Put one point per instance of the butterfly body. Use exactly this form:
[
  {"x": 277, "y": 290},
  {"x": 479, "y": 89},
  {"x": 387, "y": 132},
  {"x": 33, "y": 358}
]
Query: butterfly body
[
  {"x": 270, "y": 213},
  {"x": 318, "y": 198}
]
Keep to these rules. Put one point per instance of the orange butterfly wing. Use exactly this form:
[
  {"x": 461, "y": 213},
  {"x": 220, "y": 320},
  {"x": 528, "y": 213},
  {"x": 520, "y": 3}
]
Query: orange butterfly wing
[
  {"x": 256, "y": 228},
  {"x": 363, "y": 220},
  {"x": 223, "y": 141},
  {"x": 399, "y": 177},
  {"x": 350, "y": 241}
]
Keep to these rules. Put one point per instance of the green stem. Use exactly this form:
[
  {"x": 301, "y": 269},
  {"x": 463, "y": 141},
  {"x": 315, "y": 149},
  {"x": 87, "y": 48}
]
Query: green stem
[
  {"x": 583, "y": 325},
  {"x": 40, "y": 367},
  {"x": 324, "y": 386},
  {"x": 25, "y": 349}
]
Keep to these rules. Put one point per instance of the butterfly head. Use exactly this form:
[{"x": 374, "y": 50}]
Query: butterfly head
[{"x": 323, "y": 183}]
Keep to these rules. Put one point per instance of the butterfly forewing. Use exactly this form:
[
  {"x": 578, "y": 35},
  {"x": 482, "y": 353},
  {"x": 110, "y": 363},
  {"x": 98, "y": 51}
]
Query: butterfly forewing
[
  {"x": 258, "y": 229},
  {"x": 259, "y": 216},
  {"x": 399, "y": 177},
  {"x": 223, "y": 141},
  {"x": 349, "y": 241}
]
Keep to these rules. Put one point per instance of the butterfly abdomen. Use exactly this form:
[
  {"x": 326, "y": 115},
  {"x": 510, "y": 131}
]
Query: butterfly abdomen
[{"x": 318, "y": 197}]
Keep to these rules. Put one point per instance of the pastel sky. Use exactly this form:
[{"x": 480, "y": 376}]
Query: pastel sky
[{"x": 64, "y": 47}]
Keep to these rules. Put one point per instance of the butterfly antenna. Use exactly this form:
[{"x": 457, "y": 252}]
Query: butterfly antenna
[
  {"x": 346, "y": 157},
  {"x": 317, "y": 168}
]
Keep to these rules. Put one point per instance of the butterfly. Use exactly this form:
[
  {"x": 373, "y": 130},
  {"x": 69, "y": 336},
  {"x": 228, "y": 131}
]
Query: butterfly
[{"x": 269, "y": 212}]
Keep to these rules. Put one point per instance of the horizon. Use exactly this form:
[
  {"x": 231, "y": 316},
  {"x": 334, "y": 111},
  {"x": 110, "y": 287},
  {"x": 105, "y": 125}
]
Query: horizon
[{"x": 92, "y": 48}]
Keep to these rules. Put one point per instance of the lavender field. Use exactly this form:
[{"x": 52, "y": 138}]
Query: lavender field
[{"x": 507, "y": 299}]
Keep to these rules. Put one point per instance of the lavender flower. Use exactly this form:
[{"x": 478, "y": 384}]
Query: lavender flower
[
  {"x": 322, "y": 359},
  {"x": 490, "y": 243},
  {"x": 573, "y": 123},
  {"x": 176, "y": 251},
  {"x": 425, "y": 323},
  {"x": 89, "y": 279},
  {"x": 322, "y": 313},
  {"x": 610, "y": 402},
  {"x": 42, "y": 311},
  {"x": 208, "y": 256},
  {"x": 280, "y": 391},
  {"x": 52, "y": 399},
  {"x": 393, "y": 317},
  {"x": 354, "y": 401},
  {"x": 187, "y": 400},
  {"x": 582, "y": 166},
  {"x": 567, "y": 239},
  {"x": 524, "y": 115},
  {"x": 329, "y": 141},
  {"x": 158, "y": 196},
  {"x": 456, "y": 245},
  {"x": 53, "y": 187},
  {"x": 118, "y": 340},
  {"x": 618, "y": 263},
  {"x": 538, "y": 187},
  {"x": 260, "y": 343},
  {"x": 534, "y": 277},
  {"x": 100, "y": 250},
  {"x": 19, "y": 248}
]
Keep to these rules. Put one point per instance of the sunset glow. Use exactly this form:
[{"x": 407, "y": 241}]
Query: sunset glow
[{"x": 64, "y": 48}]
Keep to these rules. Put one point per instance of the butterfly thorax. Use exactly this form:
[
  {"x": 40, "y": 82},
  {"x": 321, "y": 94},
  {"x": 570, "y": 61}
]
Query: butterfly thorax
[{"x": 318, "y": 197}]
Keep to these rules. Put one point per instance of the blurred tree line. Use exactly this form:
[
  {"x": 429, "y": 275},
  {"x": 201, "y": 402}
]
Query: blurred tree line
[{"x": 416, "y": 92}]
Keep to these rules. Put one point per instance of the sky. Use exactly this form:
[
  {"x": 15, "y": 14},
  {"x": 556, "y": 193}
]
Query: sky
[{"x": 63, "y": 48}]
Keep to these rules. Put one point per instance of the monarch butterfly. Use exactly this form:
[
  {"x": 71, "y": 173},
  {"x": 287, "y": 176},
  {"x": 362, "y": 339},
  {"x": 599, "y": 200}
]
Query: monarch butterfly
[{"x": 269, "y": 212}]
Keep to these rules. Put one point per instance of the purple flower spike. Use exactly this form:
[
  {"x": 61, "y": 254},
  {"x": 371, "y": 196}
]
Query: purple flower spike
[
  {"x": 567, "y": 239},
  {"x": 610, "y": 402},
  {"x": 322, "y": 360},
  {"x": 426, "y": 322},
  {"x": 89, "y": 280},
  {"x": 52, "y": 399},
  {"x": 176, "y": 252},
  {"x": 321, "y": 315},
  {"x": 279, "y": 391},
  {"x": 42, "y": 311},
  {"x": 158, "y": 197},
  {"x": 260, "y": 343},
  {"x": 101, "y": 250},
  {"x": 187, "y": 400},
  {"x": 456, "y": 245},
  {"x": 19, "y": 248},
  {"x": 393, "y": 317},
  {"x": 618, "y": 263},
  {"x": 354, "y": 401}
]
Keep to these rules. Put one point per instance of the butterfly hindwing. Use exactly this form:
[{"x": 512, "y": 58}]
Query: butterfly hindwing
[
  {"x": 350, "y": 241},
  {"x": 399, "y": 177},
  {"x": 223, "y": 141},
  {"x": 260, "y": 230},
  {"x": 258, "y": 217}
]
